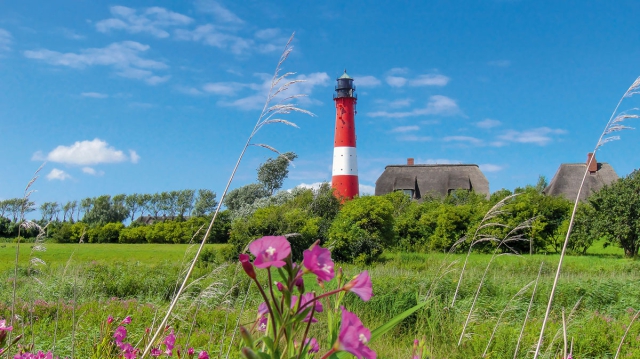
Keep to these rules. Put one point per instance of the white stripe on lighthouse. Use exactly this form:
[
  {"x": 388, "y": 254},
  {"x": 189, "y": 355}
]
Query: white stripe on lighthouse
[{"x": 345, "y": 161}]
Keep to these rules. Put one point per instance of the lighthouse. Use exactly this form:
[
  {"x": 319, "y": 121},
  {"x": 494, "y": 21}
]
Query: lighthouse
[{"x": 344, "y": 178}]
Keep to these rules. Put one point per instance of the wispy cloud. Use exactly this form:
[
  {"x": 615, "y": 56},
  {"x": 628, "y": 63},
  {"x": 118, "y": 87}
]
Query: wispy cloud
[
  {"x": 84, "y": 153},
  {"x": 488, "y": 167},
  {"x": 152, "y": 21},
  {"x": 70, "y": 34},
  {"x": 124, "y": 57},
  {"x": 414, "y": 138},
  {"x": 5, "y": 41},
  {"x": 92, "y": 171},
  {"x": 222, "y": 88},
  {"x": 500, "y": 63},
  {"x": 366, "y": 81},
  {"x": 437, "y": 105},
  {"x": 94, "y": 95},
  {"x": 256, "y": 100},
  {"x": 538, "y": 136},
  {"x": 57, "y": 174},
  {"x": 396, "y": 81},
  {"x": 430, "y": 80},
  {"x": 399, "y": 71},
  {"x": 405, "y": 129},
  {"x": 488, "y": 123},
  {"x": 214, "y": 36},
  {"x": 220, "y": 12},
  {"x": 465, "y": 140}
]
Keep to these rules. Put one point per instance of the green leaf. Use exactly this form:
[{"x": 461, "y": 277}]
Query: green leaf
[{"x": 395, "y": 321}]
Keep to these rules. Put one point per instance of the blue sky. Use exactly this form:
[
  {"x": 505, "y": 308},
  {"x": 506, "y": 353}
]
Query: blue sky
[{"x": 143, "y": 97}]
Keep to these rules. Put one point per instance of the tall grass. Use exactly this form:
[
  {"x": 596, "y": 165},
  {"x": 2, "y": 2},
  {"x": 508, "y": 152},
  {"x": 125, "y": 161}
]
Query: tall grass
[{"x": 613, "y": 125}]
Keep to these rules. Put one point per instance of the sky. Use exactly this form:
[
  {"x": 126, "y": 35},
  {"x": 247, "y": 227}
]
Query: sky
[{"x": 151, "y": 96}]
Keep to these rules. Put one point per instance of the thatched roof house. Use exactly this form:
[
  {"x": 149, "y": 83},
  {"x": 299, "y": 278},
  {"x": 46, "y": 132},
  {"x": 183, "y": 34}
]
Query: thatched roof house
[
  {"x": 567, "y": 180},
  {"x": 420, "y": 180}
]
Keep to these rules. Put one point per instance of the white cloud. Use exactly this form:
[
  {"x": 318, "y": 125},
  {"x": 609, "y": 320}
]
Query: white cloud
[
  {"x": 94, "y": 95},
  {"x": 366, "y": 189},
  {"x": 70, "y": 34},
  {"x": 124, "y": 57},
  {"x": 430, "y": 80},
  {"x": 366, "y": 81},
  {"x": 85, "y": 153},
  {"x": 465, "y": 139},
  {"x": 92, "y": 171},
  {"x": 57, "y": 174},
  {"x": 539, "y": 136},
  {"x": 222, "y": 88},
  {"x": 437, "y": 105},
  {"x": 314, "y": 185},
  {"x": 5, "y": 40},
  {"x": 220, "y": 12},
  {"x": 405, "y": 129},
  {"x": 500, "y": 63},
  {"x": 152, "y": 20},
  {"x": 134, "y": 156},
  {"x": 488, "y": 167},
  {"x": 216, "y": 37},
  {"x": 413, "y": 138},
  {"x": 488, "y": 123},
  {"x": 256, "y": 100},
  {"x": 189, "y": 90},
  {"x": 396, "y": 81}
]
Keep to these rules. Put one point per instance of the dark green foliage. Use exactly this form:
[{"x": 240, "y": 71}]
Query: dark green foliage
[
  {"x": 205, "y": 203},
  {"x": 244, "y": 195},
  {"x": 273, "y": 172},
  {"x": 617, "y": 213},
  {"x": 362, "y": 230},
  {"x": 104, "y": 210}
]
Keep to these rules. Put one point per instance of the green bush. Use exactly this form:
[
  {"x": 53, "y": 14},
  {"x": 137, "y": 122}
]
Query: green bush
[
  {"x": 362, "y": 230},
  {"x": 133, "y": 235},
  {"x": 109, "y": 233}
]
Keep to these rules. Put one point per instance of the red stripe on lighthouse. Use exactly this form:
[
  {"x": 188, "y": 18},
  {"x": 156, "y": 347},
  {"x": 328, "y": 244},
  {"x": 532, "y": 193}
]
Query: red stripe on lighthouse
[{"x": 345, "y": 160}]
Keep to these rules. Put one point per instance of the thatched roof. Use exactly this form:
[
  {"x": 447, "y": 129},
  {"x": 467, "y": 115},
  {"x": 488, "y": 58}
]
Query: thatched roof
[
  {"x": 567, "y": 180},
  {"x": 436, "y": 180}
]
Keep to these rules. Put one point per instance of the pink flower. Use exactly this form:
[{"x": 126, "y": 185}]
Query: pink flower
[
  {"x": 109, "y": 319},
  {"x": 155, "y": 352},
  {"x": 360, "y": 285},
  {"x": 263, "y": 309},
  {"x": 126, "y": 320},
  {"x": 203, "y": 355},
  {"x": 262, "y": 323},
  {"x": 170, "y": 342},
  {"x": 247, "y": 266},
  {"x": 190, "y": 351},
  {"x": 318, "y": 261},
  {"x": 307, "y": 297},
  {"x": 270, "y": 251},
  {"x": 313, "y": 345},
  {"x": 120, "y": 334},
  {"x": 4, "y": 327},
  {"x": 353, "y": 337},
  {"x": 280, "y": 286}
]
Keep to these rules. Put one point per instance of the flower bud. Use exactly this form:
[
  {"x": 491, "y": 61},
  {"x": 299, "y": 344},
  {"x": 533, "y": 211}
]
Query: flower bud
[{"x": 247, "y": 266}]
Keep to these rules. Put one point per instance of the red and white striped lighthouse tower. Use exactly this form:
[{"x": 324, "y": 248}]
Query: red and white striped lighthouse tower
[{"x": 345, "y": 160}]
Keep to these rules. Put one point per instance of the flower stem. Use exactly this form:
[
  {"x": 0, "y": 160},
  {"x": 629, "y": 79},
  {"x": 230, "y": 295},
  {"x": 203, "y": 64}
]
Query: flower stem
[{"x": 333, "y": 350}]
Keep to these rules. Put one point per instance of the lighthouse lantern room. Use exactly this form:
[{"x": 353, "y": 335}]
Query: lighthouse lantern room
[{"x": 345, "y": 160}]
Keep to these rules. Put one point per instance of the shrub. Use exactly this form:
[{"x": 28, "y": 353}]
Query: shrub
[{"x": 362, "y": 229}]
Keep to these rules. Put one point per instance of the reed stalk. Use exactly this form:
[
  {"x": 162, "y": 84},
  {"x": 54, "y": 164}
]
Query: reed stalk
[{"x": 613, "y": 125}]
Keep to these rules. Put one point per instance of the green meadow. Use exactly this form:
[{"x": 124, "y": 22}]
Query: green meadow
[{"x": 62, "y": 303}]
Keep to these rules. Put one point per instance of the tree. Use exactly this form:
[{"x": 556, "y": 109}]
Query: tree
[
  {"x": 244, "y": 195},
  {"x": 49, "y": 210},
  {"x": 273, "y": 172},
  {"x": 86, "y": 205},
  {"x": 184, "y": 202},
  {"x": 133, "y": 205},
  {"x": 617, "y": 213},
  {"x": 104, "y": 210},
  {"x": 205, "y": 203},
  {"x": 362, "y": 229}
]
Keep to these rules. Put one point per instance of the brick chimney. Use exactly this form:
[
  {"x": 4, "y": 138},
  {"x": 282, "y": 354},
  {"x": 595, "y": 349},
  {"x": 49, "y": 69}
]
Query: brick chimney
[
  {"x": 592, "y": 163},
  {"x": 409, "y": 161}
]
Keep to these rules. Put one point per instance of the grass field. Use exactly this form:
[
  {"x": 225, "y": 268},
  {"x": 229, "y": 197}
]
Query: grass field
[{"x": 88, "y": 282}]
